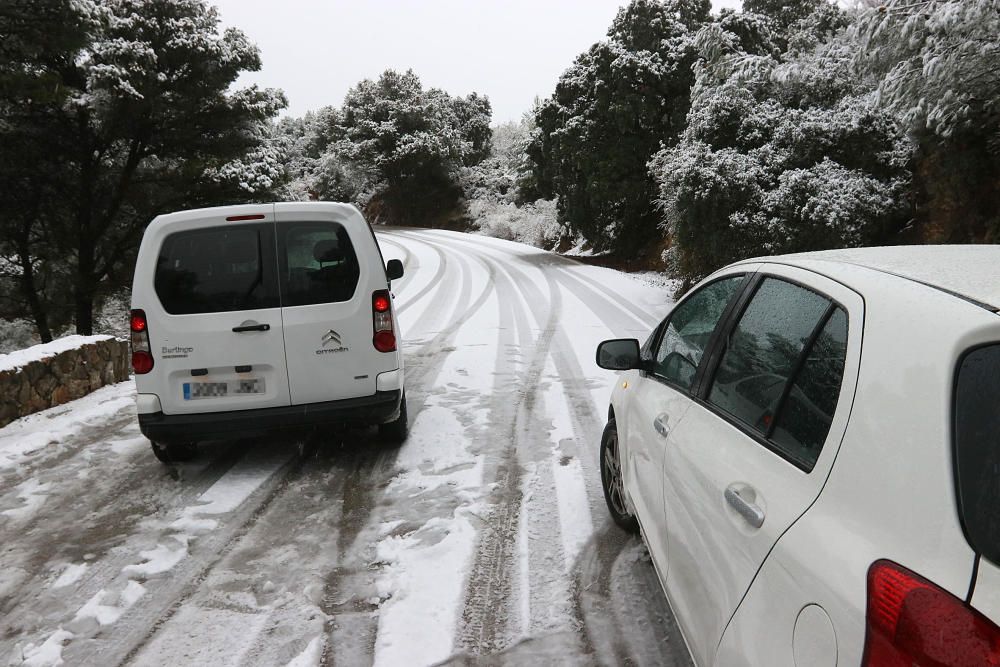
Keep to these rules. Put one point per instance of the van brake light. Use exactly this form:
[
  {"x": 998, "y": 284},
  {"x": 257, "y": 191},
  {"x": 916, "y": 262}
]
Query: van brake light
[
  {"x": 142, "y": 356},
  {"x": 911, "y": 621},
  {"x": 384, "y": 338}
]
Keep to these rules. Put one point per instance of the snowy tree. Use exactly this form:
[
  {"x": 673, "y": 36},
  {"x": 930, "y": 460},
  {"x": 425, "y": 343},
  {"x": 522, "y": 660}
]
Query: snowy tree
[
  {"x": 144, "y": 121},
  {"x": 407, "y": 145},
  {"x": 940, "y": 61},
  {"x": 939, "y": 68},
  {"x": 493, "y": 196},
  {"x": 780, "y": 155},
  {"x": 610, "y": 112}
]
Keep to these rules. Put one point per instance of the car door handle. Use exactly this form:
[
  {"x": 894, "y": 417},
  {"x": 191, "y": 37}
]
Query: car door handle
[
  {"x": 753, "y": 514},
  {"x": 252, "y": 327},
  {"x": 661, "y": 425}
]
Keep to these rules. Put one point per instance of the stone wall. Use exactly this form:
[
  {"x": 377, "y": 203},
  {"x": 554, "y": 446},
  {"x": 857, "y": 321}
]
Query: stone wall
[{"x": 53, "y": 380}]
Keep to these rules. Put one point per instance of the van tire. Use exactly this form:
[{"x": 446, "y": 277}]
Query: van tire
[
  {"x": 394, "y": 432},
  {"x": 174, "y": 452}
]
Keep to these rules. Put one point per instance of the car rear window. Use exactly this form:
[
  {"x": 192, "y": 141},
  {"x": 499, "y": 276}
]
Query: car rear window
[
  {"x": 317, "y": 263},
  {"x": 977, "y": 448},
  {"x": 219, "y": 269}
]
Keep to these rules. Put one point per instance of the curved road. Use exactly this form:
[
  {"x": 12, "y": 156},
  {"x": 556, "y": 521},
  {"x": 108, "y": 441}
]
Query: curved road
[{"x": 485, "y": 534}]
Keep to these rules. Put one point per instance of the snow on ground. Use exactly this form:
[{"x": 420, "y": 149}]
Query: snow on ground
[
  {"x": 485, "y": 533},
  {"x": 41, "y": 433},
  {"x": 19, "y": 358}
]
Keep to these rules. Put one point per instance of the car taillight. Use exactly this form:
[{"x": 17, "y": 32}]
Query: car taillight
[
  {"x": 142, "y": 356},
  {"x": 912, "y": 623},
  {"x": 384, "y": 339}
]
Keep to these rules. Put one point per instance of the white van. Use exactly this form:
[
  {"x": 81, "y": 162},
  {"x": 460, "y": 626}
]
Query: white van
[{"x": 262, "y": 316}]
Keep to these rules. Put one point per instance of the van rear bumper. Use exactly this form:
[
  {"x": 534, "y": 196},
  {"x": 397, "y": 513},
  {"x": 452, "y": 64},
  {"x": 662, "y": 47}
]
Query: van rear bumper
[{"x": 379, "y": 408}]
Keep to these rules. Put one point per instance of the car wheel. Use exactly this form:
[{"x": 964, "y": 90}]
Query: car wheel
[
  {"x": 611, "y": 480},
  {"x": 174, "y": 452},
  {"x": 394, "y": 432}
]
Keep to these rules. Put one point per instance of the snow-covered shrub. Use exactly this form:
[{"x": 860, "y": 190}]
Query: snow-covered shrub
[
  {"x": 535, "y": 223},
  {"x": 16, "y": 335},
  {"x": 781, "y": 155}
]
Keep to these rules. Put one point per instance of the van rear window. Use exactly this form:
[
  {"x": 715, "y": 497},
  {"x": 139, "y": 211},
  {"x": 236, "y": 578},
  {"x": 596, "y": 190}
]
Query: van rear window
[
  {"x": 977, "y": 448},
  {"x": 217, "y": 270},
  {"x": 317, "y": 263}
]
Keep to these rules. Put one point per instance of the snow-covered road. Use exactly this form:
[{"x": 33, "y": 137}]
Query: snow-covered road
[{"x": 484, "y": 534}]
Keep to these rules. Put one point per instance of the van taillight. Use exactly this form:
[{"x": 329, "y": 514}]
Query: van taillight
[
  {"x": 912, "y": 622},
  {"x": 142, "y": 356},
  {"x": 384, "y": 339}
]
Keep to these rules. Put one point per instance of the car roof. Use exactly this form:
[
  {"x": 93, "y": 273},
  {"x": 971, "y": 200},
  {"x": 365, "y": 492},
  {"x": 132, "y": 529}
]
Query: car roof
[{"x": 970, "y": 272}]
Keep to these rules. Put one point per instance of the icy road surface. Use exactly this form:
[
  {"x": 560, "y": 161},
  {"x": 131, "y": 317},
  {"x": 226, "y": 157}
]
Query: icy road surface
[{"x": 485, "y": 534}]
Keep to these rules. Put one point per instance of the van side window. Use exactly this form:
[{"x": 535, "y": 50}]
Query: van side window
[
  {"x": 217, "y": 270},
  {"x": 317, "y": 263},
  {"x": 782, "y": 367}
]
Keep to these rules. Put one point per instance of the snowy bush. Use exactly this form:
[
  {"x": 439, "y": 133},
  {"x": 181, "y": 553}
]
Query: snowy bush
[
  {"x": 16, "y": 335},
  {"x": 780, "y": 155},
  {"x": 535, "y": 223}
]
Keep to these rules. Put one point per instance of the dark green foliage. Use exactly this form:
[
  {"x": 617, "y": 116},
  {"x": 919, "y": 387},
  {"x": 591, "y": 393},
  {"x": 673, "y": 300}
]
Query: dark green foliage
[
  {"x": 610, "y": 112},
  {"x": 780, "y": 156},
  {"x": 140, "y": 120}
]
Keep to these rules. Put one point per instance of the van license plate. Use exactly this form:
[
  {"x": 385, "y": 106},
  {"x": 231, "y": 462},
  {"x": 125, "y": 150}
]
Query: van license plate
[{"x": 197, "y": 390}]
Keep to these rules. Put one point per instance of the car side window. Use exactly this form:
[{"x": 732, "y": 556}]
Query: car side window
[
  {"x": 803, "y": 420},
  {"x": 689, "y": 329},
  {"x": 781, "y": 370},
  {"x": 318, "y": 263}
]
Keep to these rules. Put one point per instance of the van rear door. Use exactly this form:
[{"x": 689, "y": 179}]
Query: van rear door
[
  {"x": 327, "y": 272},
  {"x": 215, "y": 325}
]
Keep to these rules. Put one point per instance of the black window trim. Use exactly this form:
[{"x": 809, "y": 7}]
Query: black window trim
[
  {"x": 662, "y": 328},
  {"x": 953, "y": 429},
  {"x": 722, "y": 334}
]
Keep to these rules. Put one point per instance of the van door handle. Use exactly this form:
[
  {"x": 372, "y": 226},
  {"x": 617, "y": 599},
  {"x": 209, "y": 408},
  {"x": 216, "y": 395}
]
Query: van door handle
[
  {"x": 661, "y": 425},
  {"x": 753, "y": 514},
  {"x": 252, "y": 327}
]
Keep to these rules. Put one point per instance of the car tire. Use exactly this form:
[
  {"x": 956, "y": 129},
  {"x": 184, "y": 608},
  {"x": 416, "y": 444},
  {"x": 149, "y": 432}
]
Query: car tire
[
  {"x": 394, "y": 432},
  {"x": 611, "y": 480},
  {"x": 174, "y": 452}
]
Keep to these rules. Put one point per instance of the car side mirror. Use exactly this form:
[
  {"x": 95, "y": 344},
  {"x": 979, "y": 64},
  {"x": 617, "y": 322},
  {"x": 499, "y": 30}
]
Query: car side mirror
[
  {"x": 394, "y": 269},
  {"x": 620, "y": 354}
]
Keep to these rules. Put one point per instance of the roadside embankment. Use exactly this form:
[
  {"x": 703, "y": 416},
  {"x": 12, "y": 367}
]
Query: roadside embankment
[{"x": 43, "y": 376}]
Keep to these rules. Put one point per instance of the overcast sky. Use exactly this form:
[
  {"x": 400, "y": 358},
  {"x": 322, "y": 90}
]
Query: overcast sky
[{"x": 509, "y": 50}]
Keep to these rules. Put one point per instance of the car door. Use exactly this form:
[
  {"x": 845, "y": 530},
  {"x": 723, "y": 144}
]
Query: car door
[
  {"x": 326, "y": 276},
  {"x": 661, "y": 396},
  {"x": 214, "y": 317},
  {"x": 746, "y": 460}
]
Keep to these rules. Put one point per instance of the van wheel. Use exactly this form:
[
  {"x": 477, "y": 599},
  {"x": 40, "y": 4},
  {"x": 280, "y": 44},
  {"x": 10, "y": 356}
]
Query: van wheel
[
  {"x": 611, "y": 479},
  {"x": 174, "y": 452},
  {"x": 394, "y": 432}
]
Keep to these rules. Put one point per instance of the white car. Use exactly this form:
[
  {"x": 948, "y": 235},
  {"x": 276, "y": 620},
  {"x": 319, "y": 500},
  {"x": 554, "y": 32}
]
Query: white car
[
  {"x": 260, "y": 316},
  {"x": 810, "y": 446}
]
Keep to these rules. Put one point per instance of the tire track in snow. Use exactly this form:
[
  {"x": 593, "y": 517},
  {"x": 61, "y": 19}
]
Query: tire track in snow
[
  {"x": 185, "y": 553},
  {"x": 312, "y": 523},
  {"x": 486, "y": 617},
  {"x": 602, "y": 628},
  {"x": 89, "y": 520},
  {"x": 607, "y": 620},
  {"x": 435, "y": 283}
]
